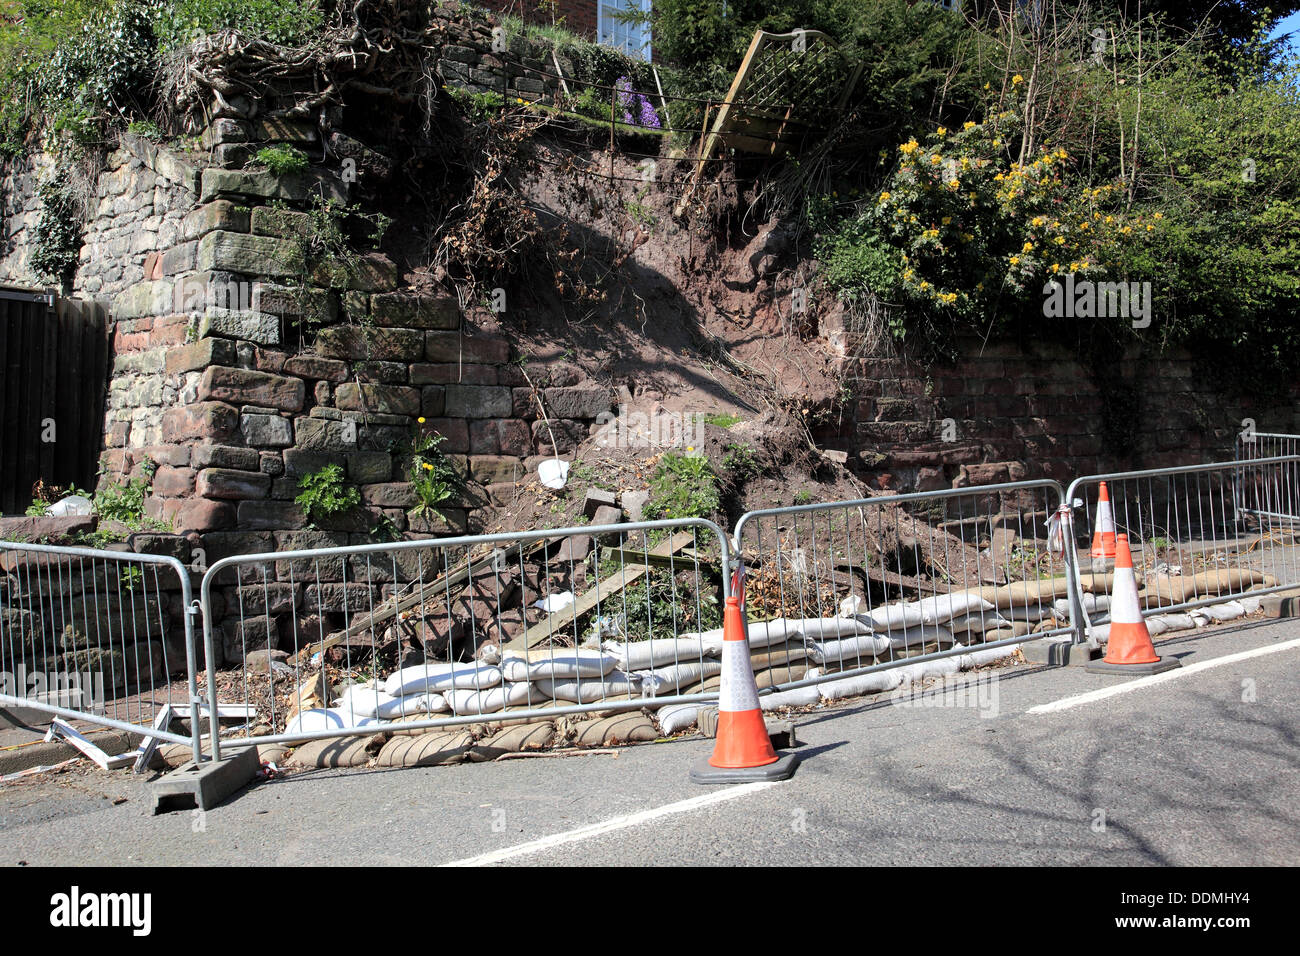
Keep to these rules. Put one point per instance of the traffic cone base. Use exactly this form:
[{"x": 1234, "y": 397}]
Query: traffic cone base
[
  {"x": 1131, "y": 670},
  {"x": 783, "y": 769},
  {"x": 744, "y": 751}
]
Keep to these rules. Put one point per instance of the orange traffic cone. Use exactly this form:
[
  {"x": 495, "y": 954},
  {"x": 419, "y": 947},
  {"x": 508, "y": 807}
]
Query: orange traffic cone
[
  {"x": 1129, "y": 649},
  {"x": 744, "y": 751},
  {"x": 1103, "y": 535}
]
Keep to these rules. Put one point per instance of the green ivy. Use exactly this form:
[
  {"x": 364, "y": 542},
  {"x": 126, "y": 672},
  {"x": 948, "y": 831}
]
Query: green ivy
[{"x": 57, "y": 241}]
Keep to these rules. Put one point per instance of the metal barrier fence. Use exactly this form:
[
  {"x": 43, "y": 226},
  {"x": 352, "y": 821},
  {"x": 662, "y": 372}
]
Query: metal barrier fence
[
  {"x": 861, "y": 586},
  {"x": 417, "y": 635},
  {"x": 1251, "y": 508},
  {"x": 100, "y": 636},
  {"x": 1188, "y": 548}
]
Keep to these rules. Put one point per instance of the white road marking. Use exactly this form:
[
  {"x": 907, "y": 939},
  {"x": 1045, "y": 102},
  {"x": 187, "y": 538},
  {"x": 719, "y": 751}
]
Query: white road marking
[
  {"x": 608, "y": 826},
  {"x": 1141, "y": 683}
]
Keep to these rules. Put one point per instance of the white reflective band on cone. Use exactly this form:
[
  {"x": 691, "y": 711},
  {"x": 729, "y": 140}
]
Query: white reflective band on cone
[
  {"x": 1124, "y": 608},
  {"x": 738, "y": 692}
]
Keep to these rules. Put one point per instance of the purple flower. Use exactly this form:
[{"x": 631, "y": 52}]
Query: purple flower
[{"x": 636, "y": 107}]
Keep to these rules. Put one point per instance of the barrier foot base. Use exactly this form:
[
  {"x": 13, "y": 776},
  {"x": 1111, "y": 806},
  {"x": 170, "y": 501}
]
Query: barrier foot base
[
  {"x": 1139, "y": 670},
  {"x": 705, "y": 772},
  {"x": 205, "y": 785}
]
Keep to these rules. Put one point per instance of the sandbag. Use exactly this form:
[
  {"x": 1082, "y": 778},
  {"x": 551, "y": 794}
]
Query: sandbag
[
  {"x": 1102, "y": 582},
  {"x": 826, "y": 628},
  {"x": 777, "y": 656},
  {"x": 669, "y": 680},
  {"x": 979, "y": 658},
  {"x": 760, "y": 634},
  {"x": 366, "y": 702},
  {"x": 780, "y": 675},
  {"x": 1227, "y": 611},
  {"x": 640, "y": 655},
  {"x": 1173, "y": 622},
  {"x": 1032, "y": 613},
  {"x": 317, "y": 719},
  {"x": 677, "y": 717},
  {"x": 1175, "y": 589},
  {"x": 556, "y": 665},
  {"x": 894, "y": 616},
  {"x": 942, "y": 608},
  {"x": 916, "y": 673},
  {"x": 798, "y": 697},
  {"x": 862, "y": 684},
  {"x": 420, "y": 678},
  {"x": 917, "y": 636},
  {"x": 492, "y": 699},
  {"x": 863, "y": 648},
  {"x": 426, "y": 750},
  {"x": 1021, "y": 594},
  {"x": 977, "y": 622},
  {"x": 588, "y": 690},
  {"x": 1091, "y": 604}
]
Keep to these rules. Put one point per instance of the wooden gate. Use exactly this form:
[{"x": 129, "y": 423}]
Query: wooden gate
[{"x": 53, "y": 384}]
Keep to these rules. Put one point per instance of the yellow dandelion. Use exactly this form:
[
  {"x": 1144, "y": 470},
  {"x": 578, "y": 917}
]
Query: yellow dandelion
[
  {"x": 1017, "y": 80},
  {"x": 1158, "y": 215},
  {"x": 420, "y": 419}
]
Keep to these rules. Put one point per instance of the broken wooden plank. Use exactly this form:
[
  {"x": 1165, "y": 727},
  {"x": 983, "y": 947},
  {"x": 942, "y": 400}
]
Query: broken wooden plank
[
  {"x": 687, "y": 560},
  {"x": 630, "y": 574},
  {"x": 439, "y": 586}
]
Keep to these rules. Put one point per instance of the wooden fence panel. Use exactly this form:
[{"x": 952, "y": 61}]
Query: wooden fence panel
[{"x": 53, "y": 371}]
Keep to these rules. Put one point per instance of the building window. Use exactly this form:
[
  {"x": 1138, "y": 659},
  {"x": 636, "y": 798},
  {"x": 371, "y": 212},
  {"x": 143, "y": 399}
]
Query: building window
[{"x": 631, "y": 38}]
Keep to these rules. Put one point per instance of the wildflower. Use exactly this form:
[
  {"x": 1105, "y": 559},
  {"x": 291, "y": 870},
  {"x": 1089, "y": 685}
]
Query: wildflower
[
  {"x": 1028, "y": 247},
  {"x": 884, "y": 197},
  {"x": 428, "y": 467},
  {"x": 1015, "y": 260},
  {"x": 969, "y": 124},
  {"x": 911, "y": 146},
  {"x": 935, "y": 159},
  {"x": 1055, "y": 267},
  {"x": 1017, "y": 80},
  {"x": 420, "y": 419},
  {"x": 945, "y": 220},
  {"x": 1158, "y": 215},
  {"x": 942, "y": 131}
]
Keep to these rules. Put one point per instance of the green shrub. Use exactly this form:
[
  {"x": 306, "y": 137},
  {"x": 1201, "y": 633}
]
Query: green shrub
[
  {"x": 684, "y": 486},
  {"x": 282, "y": 160},
  {"x": 324, "y": 494},
  {"x": 286, "y": 22}
]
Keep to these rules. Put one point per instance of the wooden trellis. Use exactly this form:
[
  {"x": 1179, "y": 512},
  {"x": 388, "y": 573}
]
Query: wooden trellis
[{"x": 788, "y": 86}]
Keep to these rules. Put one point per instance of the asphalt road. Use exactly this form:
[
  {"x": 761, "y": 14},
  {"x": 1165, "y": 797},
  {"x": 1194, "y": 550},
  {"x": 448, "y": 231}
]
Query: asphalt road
[{"x": 1198, "y": 769}]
